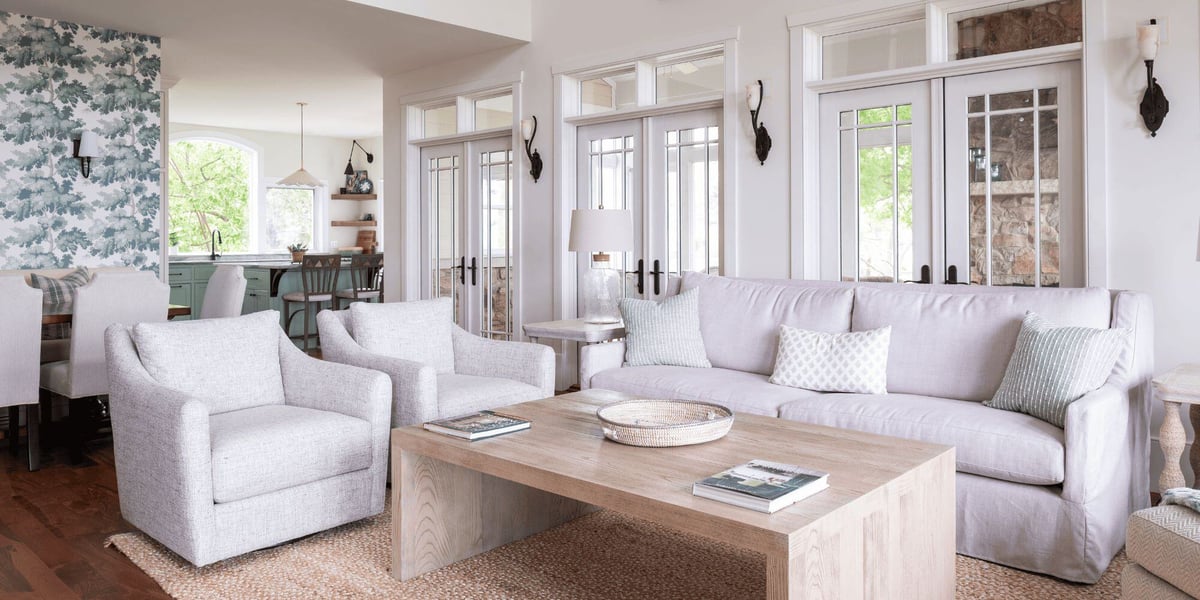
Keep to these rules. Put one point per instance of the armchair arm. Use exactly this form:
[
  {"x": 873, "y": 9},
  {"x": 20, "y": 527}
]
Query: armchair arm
[
  {"x": 414, "y": 385},
  {"x": 333, "y": 387},
  {"x": 162, "y": 451},
  {"x": 519, "y": 361},
  {"x": 1096, "y": 439},
  {"x": 595, "y": 358}
]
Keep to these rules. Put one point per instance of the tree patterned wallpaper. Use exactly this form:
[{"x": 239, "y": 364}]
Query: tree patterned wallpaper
[{"x": 56, "y": 79}]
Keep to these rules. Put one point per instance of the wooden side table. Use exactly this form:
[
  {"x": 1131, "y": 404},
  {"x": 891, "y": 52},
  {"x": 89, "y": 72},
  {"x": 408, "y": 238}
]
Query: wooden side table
[
  {"x": 575, "y": 330},
  {"x": 1174, "y": 388}
]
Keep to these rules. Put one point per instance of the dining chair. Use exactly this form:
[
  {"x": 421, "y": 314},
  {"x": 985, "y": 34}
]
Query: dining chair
[
  {"x": 366, "y": 280},
  {"x": 21, "y": 330},
  {"x": 226, "y": 290},
  {"x": 318, "y": 281},
  {"x": 111, "y": 297}
]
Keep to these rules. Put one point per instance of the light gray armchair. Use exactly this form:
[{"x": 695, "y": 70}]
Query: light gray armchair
[
  {"x": 482, "y": 374},
  {"x": 229, "y": 439}
]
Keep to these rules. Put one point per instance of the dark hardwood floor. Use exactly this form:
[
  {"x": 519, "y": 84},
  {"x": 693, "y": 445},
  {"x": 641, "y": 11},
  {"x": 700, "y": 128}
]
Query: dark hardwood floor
[{"x": 53, "y": 524}]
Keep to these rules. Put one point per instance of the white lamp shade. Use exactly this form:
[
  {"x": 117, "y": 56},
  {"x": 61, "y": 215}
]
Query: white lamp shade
[
  {"x": 301, "y": 178},
  {"x": 526, "y": 129},
  {"x": 601, "y": 230},
  {"x": 1147, "y": 39},
  {"x": 89, "y": 144},
  {"x": 753, "y": 95}
]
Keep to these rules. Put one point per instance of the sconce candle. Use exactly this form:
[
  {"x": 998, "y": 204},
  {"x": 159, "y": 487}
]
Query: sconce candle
[
  {"x": 762, "y": 140},
  {"x": 528, "y": 132},
  {"x": 1154, "y": 106},
  {"x": 87, "y": 147}
]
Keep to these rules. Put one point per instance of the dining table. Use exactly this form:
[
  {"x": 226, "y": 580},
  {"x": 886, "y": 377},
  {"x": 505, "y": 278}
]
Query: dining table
[{"x": 55, "y": 314}]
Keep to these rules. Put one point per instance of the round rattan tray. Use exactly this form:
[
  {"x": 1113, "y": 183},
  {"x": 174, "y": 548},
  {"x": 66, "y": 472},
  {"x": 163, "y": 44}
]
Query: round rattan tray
[{"x": 664, "y": 423}]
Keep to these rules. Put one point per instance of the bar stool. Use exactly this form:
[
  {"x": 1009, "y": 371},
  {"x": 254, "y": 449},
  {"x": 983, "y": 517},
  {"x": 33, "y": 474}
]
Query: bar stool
[
  {"x": 318, "y": 280},
  {"x": 366, "y": 280}
]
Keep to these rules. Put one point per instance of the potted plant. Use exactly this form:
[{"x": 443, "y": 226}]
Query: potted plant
[{"x": 298, "y": 251}]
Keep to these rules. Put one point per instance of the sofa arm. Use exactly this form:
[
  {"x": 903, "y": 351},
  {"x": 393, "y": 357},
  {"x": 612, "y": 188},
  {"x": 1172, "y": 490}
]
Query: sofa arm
[
  {"x": 414, "y": 385},
  {"x": 519, "y": 361},
  {"x": 162, "y": 451},
  {"x": 596, "y": 358},
  {"x": 1096, "y": 440}
]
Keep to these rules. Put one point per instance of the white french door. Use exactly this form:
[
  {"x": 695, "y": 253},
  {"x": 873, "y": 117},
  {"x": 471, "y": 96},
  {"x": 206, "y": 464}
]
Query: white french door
[
  {"x": 666, "y": 170},
  {"x": 983, "y": 187},
  {"x": 467, "y": 245}
]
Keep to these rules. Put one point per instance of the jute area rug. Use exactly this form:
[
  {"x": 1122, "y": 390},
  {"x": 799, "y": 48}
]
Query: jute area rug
[{"x": 600, "y": 556}]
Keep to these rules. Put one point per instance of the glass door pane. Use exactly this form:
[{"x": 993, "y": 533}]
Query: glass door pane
[
  {"x": 1014, "y": 209},
  {"x": 444, "y": 247},
  {"x": 876, "y": 207},
  {"x": 495, "y": 238},
  {"x": 686, "y": 171},
  {"x": 609, "y": 176}
]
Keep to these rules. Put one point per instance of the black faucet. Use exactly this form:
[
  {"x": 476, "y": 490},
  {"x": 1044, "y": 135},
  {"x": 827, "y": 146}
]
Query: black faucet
[{"x": 214, "y": 239}]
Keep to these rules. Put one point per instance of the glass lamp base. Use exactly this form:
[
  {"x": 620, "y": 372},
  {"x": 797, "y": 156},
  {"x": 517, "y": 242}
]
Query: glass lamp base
[{"x": 600, "y": 289}]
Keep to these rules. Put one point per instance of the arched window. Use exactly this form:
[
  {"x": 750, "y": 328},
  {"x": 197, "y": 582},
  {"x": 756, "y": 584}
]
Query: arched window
[{"x": 213, "y": 186}]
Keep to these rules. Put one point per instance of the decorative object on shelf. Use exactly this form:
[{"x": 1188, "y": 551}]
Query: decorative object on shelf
[
  {"x": 528, "y": 132},
  {"x": 365, "y": 239},
  {"x": 87, "y": 147},
  {"x": 762, "y": 140},
  {"x": 301, "y": 177},
  {"x": 597, "y": 232},
  {"x": 298, "y": 251},
  {"x": 1154, "y": 106},
  {"x": 349, "y": 164},
  {"x": 664, "y": 423},
  {"x": 361, "y": 183},
  {"x": 368, "y": 217}
]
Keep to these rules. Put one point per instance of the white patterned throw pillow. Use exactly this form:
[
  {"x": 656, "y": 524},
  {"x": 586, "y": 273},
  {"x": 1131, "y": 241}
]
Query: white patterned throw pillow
[
  {"x": 854, "y": 362},
  {"x": 666, "y": 333}
]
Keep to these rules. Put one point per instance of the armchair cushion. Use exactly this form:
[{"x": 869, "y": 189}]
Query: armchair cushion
[
  {"x": 462, "y": 394},
  {"x": 229, "y": 364},
  {"x": 418, "y": 331},
  {"x": 267, "y": 448}
]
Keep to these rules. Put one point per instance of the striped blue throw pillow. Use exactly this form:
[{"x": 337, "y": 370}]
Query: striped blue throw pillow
[
  {"x": 1051, "y": 367},
  {"x": 666, "y": 333},
  {"x": 59, "y": 290}
]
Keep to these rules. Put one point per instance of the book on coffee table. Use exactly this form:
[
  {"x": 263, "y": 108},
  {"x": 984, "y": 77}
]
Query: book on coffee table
[
  {"x": 478, "y": 425},
  {"x": 762, "y": 485}
]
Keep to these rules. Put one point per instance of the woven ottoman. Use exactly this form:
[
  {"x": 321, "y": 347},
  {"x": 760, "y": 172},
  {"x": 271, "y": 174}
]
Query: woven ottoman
[{"x": 1163, "y": 545}]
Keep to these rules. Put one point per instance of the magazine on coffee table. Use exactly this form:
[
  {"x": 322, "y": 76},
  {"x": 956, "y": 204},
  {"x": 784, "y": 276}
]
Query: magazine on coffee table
[
  {"x": 762, "y": 485},
  {"x": 478, "y": 425}
]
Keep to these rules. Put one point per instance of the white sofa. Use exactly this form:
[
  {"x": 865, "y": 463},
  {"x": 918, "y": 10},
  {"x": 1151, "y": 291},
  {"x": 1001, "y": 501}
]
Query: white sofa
[{"x": 1030, "y": 495}]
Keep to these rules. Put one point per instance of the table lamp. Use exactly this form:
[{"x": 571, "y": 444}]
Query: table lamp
[{"x": 598, "y": 232}]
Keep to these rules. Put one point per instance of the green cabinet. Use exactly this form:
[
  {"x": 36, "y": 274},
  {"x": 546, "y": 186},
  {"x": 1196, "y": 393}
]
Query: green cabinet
[{"x": 179, "y": 277}]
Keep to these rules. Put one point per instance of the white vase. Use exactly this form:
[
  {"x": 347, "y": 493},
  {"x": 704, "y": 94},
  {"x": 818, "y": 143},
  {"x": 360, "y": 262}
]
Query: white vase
[{"x": 600, "y": 289}]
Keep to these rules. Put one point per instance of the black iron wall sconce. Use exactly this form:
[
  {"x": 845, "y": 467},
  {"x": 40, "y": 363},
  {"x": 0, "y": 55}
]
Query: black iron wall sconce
[
  {"x": 349, "y": 161},
  {"x": 762, "y": 140},
  {"x": 528, "y": 132},
  {"x": 1154, "y": 106},
  {"x": 86, "y": 147}
]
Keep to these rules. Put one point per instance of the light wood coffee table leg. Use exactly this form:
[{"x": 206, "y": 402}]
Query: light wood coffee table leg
[
  {"x": 897, "y": 543},
  {"x": 443, "y": 513},
  {"x": 1172, "y": 438}
]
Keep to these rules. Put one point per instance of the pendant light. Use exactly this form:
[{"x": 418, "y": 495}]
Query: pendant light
[{"x": 301, "y": 177}]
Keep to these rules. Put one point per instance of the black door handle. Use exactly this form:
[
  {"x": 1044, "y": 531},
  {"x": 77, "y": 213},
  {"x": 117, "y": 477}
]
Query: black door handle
[
  {"x": 641, "y": 276},
  {"x": 474, "y": 272},
  {"x": 462, "y": 270},
  {"x": 926, "y": 276},
  {"x": 656, "y": 272},
  {"x": 952, "y": 276}
]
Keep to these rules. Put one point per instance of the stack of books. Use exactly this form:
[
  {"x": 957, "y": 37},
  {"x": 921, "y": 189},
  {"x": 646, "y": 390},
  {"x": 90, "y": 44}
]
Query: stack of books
[
  {"x": 762, "y": 485},
  {"x": 478, "y": 425}
]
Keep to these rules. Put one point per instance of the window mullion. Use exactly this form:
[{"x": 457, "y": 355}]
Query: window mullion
[{"x": 644, "y": 72}]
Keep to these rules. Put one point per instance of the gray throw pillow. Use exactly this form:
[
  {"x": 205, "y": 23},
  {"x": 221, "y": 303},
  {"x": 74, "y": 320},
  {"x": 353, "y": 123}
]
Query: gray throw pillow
[
  {"x": 420, "y": 330},
  {"x": 666, "y": 333},
  {"x": 59, "y": 290},
  {"x": 1051, "y": 367}
]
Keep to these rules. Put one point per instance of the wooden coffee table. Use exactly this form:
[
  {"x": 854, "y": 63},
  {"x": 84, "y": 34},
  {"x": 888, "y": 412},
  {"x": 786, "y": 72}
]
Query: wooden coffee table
[{"x": 884, "y": 528}]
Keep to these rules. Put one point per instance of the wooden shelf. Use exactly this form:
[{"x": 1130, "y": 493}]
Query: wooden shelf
[
  {"x": 352, "y": 223},
  {"x": 353, "y": 196}
]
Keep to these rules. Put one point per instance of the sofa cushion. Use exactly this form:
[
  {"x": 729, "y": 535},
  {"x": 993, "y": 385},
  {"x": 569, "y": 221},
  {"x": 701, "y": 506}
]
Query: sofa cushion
[
  {"x": 999, "y": 444},
  {"x": 229, "y": 364},
  {"x": 737, "y": 390},
  {"x": 1165, "y": 540},
  {"x": 854, "y": 361},
  {"x": 666, "y": 333},
  {"x": 952, "y": 345},
  {"x": 1052, "y": 367},
  {"x": 463, "y": 394},
  {"x": 268, "y": 448},
  {"x": 418, "y": 330},
  {"x": 740, "y": 319}
]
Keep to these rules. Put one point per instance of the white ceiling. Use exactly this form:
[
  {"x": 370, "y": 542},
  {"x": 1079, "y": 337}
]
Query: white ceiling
[{"x": 245, "y": 63}]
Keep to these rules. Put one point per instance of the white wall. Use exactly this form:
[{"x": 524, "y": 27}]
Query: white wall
[
  {"x": 324, "y": 157},
  {"x": 1153, "y": 208}
]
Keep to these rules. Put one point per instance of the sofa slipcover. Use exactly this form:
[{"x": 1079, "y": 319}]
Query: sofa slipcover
[{"x": 738, "y": 390}]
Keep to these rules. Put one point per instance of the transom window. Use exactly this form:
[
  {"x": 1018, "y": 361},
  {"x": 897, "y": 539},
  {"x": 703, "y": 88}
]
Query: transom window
[
  {"x": 466, "y": 114},
  {"x": 675, "y": 77}
]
